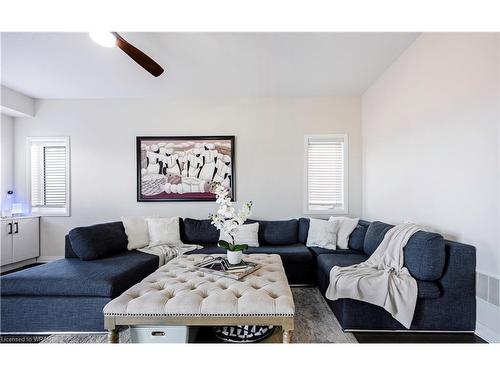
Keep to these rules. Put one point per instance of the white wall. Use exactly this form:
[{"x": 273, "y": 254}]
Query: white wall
[
  {"x": 430, "y": 129},
  {"x": 6, "y": 157},
  {"x": 269, "y": 152}
]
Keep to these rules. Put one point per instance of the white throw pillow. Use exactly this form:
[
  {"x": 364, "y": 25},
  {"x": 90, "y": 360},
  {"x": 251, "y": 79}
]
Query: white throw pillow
[
  {"x": 136, "y": 229},
  {"x": 248, "y": 234},
  {"x": 322, "y": 233},
  {"x": 164, "y": 231},
  {"x": 346, "y": 226}
]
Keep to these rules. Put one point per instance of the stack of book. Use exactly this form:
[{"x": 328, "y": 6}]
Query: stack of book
[
  {"x": 220, "y": 266},
  {"x": 234, "y": 268}
]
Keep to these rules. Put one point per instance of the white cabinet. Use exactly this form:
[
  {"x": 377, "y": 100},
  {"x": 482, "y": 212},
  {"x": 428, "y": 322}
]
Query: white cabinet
[
  {"x": 19, "y": 239},
  {"x": 6, "y": 241}
]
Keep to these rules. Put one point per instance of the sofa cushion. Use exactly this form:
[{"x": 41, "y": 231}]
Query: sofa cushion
[
  {"x": 303, "y": 229},
  {"x": 107, "y": 277},
  {"x": 426, "y": 289},
  {"x": 327, "y": 261},
  {"x": 98, "y": 241},
  {"x": 68, "y": 251},
  {"x": 424, "y": 255},
  {"x": 195, "y": 231},
  {"x": 296, "y": 253},
  {"x": 321, "y": 250},
  {"x": 374, "y": 236},
  {"x": 277, "y": 232},
  {"x": 357, "y": 237}
]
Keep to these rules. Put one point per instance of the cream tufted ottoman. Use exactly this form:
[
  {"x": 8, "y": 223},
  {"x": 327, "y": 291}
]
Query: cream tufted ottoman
[{"x": 180, "y": 294}]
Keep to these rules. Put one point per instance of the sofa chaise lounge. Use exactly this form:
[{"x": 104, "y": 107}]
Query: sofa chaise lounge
[{"x": 68, "y": 295}]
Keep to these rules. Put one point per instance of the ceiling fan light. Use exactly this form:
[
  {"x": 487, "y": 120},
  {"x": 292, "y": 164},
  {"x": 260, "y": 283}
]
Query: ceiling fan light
[{"x": 105, "y": 39}]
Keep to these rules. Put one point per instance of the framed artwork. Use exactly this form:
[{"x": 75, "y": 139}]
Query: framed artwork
[{"x": 182, "y": 168}]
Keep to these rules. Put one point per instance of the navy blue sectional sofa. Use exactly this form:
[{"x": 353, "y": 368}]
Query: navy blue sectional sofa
[{"x": 69, "y": 294}]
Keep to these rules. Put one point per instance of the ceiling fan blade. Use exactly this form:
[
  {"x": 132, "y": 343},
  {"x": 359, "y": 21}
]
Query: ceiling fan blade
[{"x": 138, "y": 56}]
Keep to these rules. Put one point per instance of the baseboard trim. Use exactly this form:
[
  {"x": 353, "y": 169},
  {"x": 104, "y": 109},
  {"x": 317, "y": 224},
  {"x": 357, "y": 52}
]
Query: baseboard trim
[
  {"x": 14, "y": 266},
  {"x": 46, "y": 259},
  {"x": 487, "y": 334}
]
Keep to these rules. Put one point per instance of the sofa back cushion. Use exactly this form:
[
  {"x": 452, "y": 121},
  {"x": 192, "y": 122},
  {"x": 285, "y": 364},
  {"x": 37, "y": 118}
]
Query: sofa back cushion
[
  {"x": 303, "y": 229},
  {"x": 194, "y": 231},
  {"x": 277, "y": 232},
  {"x": 374, "y": 236},
  {"x": 424, "y": 254},
  {"x": 357, "y": 237},
  {"x": 68, "y": 250},
  {"x": 98, "y": 241}
]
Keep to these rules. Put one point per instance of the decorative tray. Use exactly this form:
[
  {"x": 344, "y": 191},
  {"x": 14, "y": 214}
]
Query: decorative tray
[{"x": 219, "y": 266}]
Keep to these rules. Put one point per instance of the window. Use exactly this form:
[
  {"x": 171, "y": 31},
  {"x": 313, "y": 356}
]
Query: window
[
  {"x": 48, "y": 175},
  {"x": 325, "y": 174}
]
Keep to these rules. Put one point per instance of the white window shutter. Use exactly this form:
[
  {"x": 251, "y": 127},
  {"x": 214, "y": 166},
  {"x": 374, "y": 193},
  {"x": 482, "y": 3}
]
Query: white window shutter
[
  {"x": 55, "y": 176},
  {"x": 49, "y": 175},
  {"x": 325, "y": 166}
]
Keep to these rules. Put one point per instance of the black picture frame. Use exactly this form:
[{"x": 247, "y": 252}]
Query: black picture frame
[{"x": 140, "y": 139}]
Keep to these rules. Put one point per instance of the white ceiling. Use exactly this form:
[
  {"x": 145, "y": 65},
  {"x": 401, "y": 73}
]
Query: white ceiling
[{"x": 71, "y": 65}]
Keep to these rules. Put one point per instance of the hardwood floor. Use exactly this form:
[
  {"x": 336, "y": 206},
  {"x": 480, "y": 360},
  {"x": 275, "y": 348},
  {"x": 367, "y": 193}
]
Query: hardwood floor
[
  {"x": 205, "y": 336},
  {"x": 417, "y": 338}
]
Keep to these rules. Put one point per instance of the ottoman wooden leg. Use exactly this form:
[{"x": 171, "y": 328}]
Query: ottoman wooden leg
[
  {"x": 287, "y": 336},
  {"x": 113, "y": 337}
]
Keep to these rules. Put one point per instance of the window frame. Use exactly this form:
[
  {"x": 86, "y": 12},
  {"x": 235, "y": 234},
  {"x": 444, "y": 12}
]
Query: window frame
[
  {"x": 49, "y": 211},
  {"x": 334, "y": 211}
]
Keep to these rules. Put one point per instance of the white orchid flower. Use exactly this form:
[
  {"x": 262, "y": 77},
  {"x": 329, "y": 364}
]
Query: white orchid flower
[{"x": 226, "y": 219}]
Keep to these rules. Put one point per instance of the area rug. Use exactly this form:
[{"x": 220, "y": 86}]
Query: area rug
[{"x": 314, "y": 323}]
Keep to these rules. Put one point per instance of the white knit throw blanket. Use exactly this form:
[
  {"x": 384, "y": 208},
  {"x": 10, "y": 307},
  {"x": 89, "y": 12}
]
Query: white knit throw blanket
[
  {"x": 381, "y": 279},
  {"x": 166, "y": 253}
]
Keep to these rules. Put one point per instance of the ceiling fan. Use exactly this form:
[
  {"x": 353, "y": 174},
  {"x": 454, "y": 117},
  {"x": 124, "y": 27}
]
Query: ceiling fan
[{"x": 111, "y": 39}]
